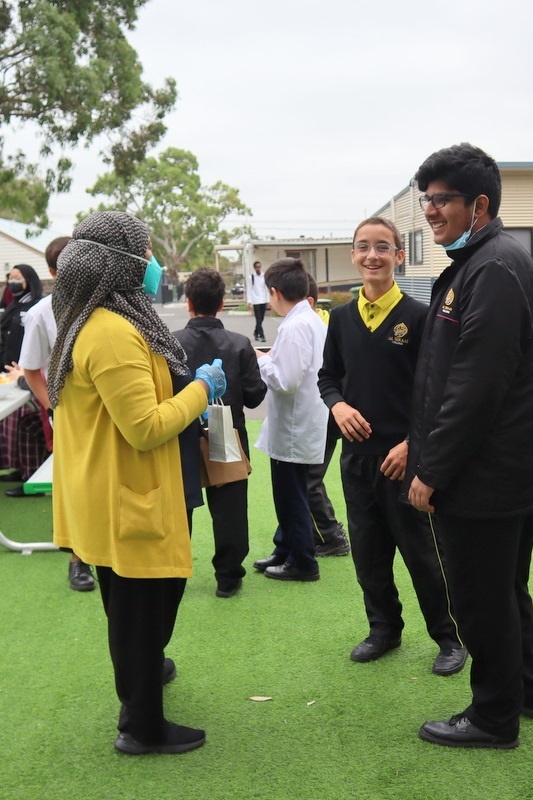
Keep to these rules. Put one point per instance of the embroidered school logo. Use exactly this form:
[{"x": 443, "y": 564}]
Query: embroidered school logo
[
  {"x": 400, "y": 330},
  {"x": 399, "y": 333},
  {"x": 448, "y": 303}
]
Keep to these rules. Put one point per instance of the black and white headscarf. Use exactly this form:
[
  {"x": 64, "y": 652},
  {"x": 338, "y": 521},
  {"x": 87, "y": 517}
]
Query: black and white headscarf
[{"x": 91, "y": 273}]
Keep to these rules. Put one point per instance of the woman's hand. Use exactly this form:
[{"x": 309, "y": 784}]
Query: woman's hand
[{"x": 212, "y": 375}]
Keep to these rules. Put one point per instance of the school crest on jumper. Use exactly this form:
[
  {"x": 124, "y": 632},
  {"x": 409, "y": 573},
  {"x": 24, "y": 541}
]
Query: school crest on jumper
[
  {"x": 448, "y": 302},
  {"x": 399, "y": 334}
]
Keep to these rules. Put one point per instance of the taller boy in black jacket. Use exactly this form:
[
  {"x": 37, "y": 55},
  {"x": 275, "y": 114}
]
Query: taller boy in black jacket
[
  {"x": 366, "y": 380},
  {"x": 204, "y": 333},
  {"x": 471, "y": 451}
]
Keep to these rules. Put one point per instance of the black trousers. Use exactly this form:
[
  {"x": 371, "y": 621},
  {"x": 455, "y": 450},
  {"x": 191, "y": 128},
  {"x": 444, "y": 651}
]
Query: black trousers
[
  {"x": 259, "y": 313},
  {"x": 323, "y": 518},
  {"x": 228, "y": 506},
  {"x": 141, "y": 613},
  {"x": 488, "y": 564},
  {"x": 293, "y": 539},
  {"x": 378, "y": 525}
]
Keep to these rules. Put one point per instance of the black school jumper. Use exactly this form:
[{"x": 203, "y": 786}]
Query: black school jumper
[{"x": 373, "y": 372}]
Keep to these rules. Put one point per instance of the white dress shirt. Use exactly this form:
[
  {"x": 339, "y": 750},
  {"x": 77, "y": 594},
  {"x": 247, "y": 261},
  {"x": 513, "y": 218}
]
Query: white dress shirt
[
  {"x": 257, "y": 292},
  {"x": 40, "y": 332},
  {"x": 295, "y": 427}
]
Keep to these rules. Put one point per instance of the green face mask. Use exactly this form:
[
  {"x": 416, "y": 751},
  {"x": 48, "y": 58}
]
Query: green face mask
[{"x": 152, "y": 276}]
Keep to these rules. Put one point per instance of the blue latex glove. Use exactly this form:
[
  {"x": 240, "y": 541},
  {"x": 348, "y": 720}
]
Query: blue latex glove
[{"x": 214, "y": 376}]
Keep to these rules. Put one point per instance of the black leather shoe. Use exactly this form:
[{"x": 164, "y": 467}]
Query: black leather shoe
[
  {"x": 287, "y": 573},
  {"x": 450, "y": 661},
  {"x": 458, "y": 731},
  {"x": 227, "y": 590},
  {"x": 271, "y": 561},
  {"x": 169, "y": 671},
  {"x": 18, "y": 491},
  {"x": 374, "y": 647}
]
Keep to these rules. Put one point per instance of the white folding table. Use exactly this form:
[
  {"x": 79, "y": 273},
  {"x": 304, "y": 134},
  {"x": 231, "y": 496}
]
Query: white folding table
[{"x": 43, "y": 477}]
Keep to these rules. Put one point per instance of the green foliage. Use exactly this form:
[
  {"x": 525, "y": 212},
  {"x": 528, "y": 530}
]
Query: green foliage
[
  {"x": 67, "y": 67},
  {"x": 183, "y": 216},
  {"x": 338, "y": 298}
]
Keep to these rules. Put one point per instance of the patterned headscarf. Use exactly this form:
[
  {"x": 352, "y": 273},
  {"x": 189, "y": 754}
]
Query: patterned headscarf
[{"x": 91, "y": 273}]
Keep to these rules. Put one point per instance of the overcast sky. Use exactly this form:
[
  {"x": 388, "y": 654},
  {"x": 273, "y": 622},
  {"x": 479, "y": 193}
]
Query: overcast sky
[{"x": 319, "y": 111}]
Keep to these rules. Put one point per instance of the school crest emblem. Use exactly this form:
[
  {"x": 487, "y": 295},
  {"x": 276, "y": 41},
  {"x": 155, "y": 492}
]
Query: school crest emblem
[
  {"x": 400, "y": 330},
  {"x": 399, "y": 334},
  {"x": 450, "y": 297}
]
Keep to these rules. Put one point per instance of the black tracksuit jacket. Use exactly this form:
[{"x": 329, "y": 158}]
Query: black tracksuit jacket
[{"x": 471, "y": 433}]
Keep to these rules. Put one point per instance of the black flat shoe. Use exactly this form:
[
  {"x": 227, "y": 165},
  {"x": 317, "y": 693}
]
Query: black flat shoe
[
  {"x": 18, "y": 491},
  {"x": 169, "y": 671},
  {"x": 287, "y": 573},
  {"x": 458, "y": 731},
  {"x": 450, "y": 661},
  {"x": 179, "y": 740},
  {"x": 228, "y": 590},
  {"x": 271, "y": 561},
  {"x": 374, "y": 647}
]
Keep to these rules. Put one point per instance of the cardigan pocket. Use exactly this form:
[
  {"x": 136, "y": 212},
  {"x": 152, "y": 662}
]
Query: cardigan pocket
[{"x": 140, "y": 515}]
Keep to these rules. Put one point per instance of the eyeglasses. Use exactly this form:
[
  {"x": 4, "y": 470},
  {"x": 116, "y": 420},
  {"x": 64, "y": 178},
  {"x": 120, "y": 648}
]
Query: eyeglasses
[
  {"x": 438, "y": 200},
  {"x": 382, "y": 248}
]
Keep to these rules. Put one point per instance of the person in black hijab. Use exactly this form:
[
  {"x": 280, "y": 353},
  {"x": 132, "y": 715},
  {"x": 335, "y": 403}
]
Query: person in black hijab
[
  {"x": 26, "y": 288},
  {"x": 22, "y": 444}
]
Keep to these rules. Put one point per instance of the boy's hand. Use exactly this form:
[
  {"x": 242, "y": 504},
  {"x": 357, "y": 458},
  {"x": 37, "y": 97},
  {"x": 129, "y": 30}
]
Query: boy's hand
[
  {"x": 352, "y": 424},
  {"x": 420, "y": 495},
  {"x": 393, "y": 466}
]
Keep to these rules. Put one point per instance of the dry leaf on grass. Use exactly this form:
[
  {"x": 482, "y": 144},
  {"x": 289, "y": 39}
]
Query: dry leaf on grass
[
  {"x": 311, "y": 702},
  {"x": 260, "y": 699}
]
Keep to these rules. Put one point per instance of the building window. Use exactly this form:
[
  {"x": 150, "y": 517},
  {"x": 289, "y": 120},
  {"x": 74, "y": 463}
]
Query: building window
[
  {"x": 400, "y": 268},
  {"x": 416, "y": 250},
  {"x": 308, "y": 258}
]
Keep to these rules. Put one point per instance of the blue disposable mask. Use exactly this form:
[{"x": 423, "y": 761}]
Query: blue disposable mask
[
  {"x": 152, "y": 276},
  {"x": 464, "y": 237}
]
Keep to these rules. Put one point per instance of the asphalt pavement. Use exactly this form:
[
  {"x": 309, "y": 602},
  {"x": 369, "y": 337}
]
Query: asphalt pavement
[{"x": 176, "y": 316}]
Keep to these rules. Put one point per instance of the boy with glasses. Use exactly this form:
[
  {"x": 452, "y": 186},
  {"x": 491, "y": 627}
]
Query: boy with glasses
[
  {"x": 471, "y": 445},
  {"x": 366, "y": 381}
]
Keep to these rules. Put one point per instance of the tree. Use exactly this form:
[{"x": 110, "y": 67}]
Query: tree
[
  {"x": 184, "y": 217},
  {"x": 67, "y": 67}
]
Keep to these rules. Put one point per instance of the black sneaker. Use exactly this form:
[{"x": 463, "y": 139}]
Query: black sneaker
[
  {"x": 338, "y": 546},
  {"x": 80, "y": 576},
  {"x": 179, "y": 740}
]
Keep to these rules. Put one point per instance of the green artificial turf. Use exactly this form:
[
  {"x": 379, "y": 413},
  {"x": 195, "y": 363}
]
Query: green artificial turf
[{"x": 333, "y": 729}]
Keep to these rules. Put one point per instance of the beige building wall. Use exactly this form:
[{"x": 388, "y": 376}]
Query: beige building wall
[
  {"x": 516, "y": 211},
  {"x": 14, "y": 252}
]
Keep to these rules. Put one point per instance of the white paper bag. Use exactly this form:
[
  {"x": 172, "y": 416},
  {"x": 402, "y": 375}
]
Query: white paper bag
[{"x": 223, "y": 445}]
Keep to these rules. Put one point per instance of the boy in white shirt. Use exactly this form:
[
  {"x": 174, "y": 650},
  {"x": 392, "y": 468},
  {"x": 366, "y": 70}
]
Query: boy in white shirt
[
  {"x": 294, "y": 431},
  {"x": 257, "y": 298},
  {"x": 40, "y": 333}
]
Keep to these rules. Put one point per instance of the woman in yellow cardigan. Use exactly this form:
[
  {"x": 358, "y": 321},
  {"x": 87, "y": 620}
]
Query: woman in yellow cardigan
[{"x": 118, "y": 490}]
